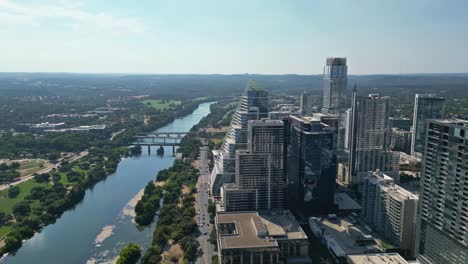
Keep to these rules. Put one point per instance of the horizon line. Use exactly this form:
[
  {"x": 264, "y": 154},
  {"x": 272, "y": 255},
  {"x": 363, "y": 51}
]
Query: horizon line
[{"x": 223, "y": 74}]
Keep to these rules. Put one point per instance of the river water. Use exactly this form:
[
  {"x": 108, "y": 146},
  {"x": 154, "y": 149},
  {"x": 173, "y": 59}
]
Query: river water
[{"x": 99, "y": 227}]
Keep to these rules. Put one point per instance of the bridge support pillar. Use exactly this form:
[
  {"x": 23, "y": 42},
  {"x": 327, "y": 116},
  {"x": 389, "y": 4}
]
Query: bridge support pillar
[
  {"x": 173, "y": 150},
  {"x": 149, "y": 149}
]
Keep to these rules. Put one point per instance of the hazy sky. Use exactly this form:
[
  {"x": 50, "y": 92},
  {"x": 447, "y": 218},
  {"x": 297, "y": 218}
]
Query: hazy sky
[{"x": 235, "y": 36}]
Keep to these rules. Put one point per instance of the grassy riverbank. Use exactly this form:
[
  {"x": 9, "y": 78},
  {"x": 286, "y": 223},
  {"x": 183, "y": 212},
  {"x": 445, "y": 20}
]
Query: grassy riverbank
[{"x": 42, "y": 200}]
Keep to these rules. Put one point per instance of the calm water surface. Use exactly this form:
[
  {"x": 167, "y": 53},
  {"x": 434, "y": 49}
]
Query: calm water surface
[{"x": 98, "y": 227}]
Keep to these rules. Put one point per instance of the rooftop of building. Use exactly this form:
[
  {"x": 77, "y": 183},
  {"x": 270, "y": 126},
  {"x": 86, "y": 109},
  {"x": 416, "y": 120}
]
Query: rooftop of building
[
  {"x": 380, "y": 258},
  {"x": 266, "y": 122},
  {"x": 256, "y": 230},
  {"x": 400, "y": 193},
  {"x": 343, "y": 235},
  {"x": 450, "y": 122},
  {"x": 336, "y": 61},
  {"x": 430, "y": 96},
  {"x": 345, "y": 202}
]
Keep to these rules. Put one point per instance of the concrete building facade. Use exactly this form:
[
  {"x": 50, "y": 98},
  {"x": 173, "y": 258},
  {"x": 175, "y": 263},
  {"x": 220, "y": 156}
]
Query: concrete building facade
[
  {"x": 442, "y": 230},
  {"x": 260, "y": 169},
  {"x": 370, "y": 141},
  {"x": 390, "y": 210}
]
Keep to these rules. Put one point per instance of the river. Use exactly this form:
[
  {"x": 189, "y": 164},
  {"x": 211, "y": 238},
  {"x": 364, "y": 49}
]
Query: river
[{"x": 100, "y": 226}]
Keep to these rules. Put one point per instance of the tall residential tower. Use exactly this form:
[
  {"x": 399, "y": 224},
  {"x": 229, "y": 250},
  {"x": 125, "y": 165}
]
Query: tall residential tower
[
  {"x": 334, "y": 96},
  {"x": 443, "y": 199},
  {"x": 253, "y": 106},
  {"x": 335, "y": 82},
  {"x": 260, "y": 178},
  {"x": 369, "y": 144}
]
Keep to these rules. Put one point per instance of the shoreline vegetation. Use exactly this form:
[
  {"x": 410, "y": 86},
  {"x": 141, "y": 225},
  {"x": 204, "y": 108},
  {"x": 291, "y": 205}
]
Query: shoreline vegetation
[
  {"x": 176, "y": 226},
  {"x": 60, "y": 190}
]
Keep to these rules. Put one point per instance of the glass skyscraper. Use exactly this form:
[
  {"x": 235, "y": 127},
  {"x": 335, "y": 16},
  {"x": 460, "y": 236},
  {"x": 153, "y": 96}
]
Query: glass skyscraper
[{"x": 426, "y": 106}]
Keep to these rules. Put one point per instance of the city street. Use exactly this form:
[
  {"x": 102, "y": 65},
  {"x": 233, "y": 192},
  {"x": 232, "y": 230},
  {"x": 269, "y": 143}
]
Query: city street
[{"x": 203, "y": 218}]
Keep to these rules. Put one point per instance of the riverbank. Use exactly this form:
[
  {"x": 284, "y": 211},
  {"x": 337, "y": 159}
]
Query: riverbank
[
  {"x": 42, "y": 205},
  {"x": 72, "y": 238}
]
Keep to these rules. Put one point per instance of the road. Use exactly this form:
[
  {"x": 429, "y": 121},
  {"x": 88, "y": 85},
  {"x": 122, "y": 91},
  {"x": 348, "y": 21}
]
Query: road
[
  {"x": 203, "y": 216},
  {"x": 116, "y": 134},
  {"x": 45, "y": 170}
]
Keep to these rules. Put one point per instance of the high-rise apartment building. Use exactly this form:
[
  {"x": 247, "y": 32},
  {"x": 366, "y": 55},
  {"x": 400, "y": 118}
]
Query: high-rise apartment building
[
  {"x": 260, "y": 169},
  {"x": 426, "y": 106},
  {"x": 369, "y": 144},
  {"x": 253, "y": 106},
  {"x": 334, "y": 95},
  {"x": 311, "y": 164},
  {"x": 443, "y": 208},
  {"x": 390, "y": 210}
]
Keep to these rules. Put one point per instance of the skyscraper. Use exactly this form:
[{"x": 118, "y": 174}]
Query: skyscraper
[
  {"x": 443, "y": 200},
  {"x": 335, "y": 82},
  {"x": 334, "y": 96},
  {"x": 426, "y": 106},
  {"x": 253, "y": 106},
  {"x": 311, "y": 164},
  {"x": 260, "y": 170},
  {"x": 307, "y": 104},
  {"x": 369, "y": 145}
]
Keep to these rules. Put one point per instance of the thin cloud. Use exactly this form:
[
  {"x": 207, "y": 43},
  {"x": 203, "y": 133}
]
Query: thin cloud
[{"x": 79, "y": 19}]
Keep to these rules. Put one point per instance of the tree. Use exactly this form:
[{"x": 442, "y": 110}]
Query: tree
[
  {"x": 129, "y": 254},
  {"x": 12, "y": 244},
  {"x": 136, "y": 150},
  {"x": 190, "y": 247},
  {"x": 3, "y": 218},
  {"x": 44, "y": 177},
  {"x": 21, "y": 209},
  {"x": 13, "y": 191},
  {"x": 152, "y": 255}
]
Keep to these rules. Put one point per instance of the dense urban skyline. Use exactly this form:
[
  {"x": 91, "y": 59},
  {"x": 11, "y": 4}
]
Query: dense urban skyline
[{"x": 267, "y": 37}]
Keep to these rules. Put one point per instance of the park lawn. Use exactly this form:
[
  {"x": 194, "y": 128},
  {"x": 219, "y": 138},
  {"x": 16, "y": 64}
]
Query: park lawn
[
  {"x": 4, "y": 230},
  {"x": 161, "y": 104},
  {"x": 63, "y": 179},
  {"x": 6, "y": 204}
]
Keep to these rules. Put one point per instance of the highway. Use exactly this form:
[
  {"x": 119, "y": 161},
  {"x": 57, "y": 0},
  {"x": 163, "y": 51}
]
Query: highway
[{"x": 203, "y": 218}]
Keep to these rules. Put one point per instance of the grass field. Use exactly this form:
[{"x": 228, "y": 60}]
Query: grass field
[
  {"x": 161, "y": 104},
  {"x": 31, "y": 166},
  {"x": 6, "y": 204}
]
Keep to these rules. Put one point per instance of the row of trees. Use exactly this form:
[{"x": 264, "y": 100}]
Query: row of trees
[
  {"x": 9, "y": 172},
  {"x": 148, "y": 204},
  {"x": 175, "y": 221},
  {"x": 46, "y": 202}
]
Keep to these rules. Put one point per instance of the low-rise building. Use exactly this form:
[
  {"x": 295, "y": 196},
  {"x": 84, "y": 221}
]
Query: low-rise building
[
  {"x": 345, "y": 204},
  {"x": 343, "y": 236},
  {"x": 260, "y": 237}
]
